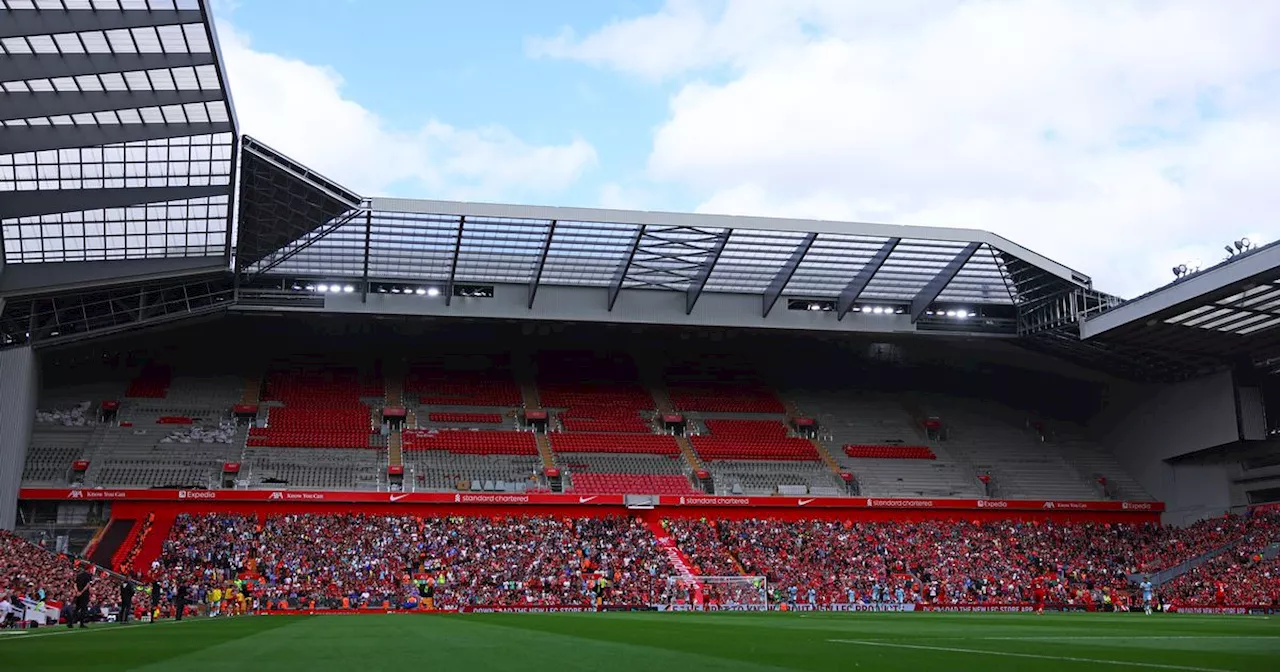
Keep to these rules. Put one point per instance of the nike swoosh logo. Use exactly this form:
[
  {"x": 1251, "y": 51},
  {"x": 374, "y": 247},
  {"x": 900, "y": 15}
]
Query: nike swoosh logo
[
  {"x": 804, "y": 501},
  {"x": 396, "y": 498},
  {"x": 584, "y": 500}
]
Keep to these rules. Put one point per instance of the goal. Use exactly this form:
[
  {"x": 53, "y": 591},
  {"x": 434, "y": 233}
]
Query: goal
[{"x": 748, "y": 593}]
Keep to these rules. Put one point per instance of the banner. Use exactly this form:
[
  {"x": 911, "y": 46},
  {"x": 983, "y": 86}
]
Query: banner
[
  {"x": 517, "y": 499},
  {"x": 42, "y": 613}
]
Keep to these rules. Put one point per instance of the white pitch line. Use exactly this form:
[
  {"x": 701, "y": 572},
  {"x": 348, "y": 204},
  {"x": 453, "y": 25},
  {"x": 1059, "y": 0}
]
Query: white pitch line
[
  {"x": 1037, "y": 638},
  {"x": 49, "y": 631},
  {"x": 1009, "y": 654}
]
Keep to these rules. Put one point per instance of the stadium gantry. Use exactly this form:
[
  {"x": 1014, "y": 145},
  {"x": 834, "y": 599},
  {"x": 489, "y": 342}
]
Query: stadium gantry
[{"x": 129, "y": 198}]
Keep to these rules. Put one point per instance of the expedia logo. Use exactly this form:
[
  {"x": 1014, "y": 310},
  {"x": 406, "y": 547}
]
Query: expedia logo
[
  {"x": 992, "y": 504},
  {"x": 1136, "y": 506},
  {"x": 197, "y": 494}
]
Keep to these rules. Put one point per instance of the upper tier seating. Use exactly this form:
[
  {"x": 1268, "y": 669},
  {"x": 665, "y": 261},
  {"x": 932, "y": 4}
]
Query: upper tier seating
[
  {"x": 890, "y": 452},
  {"x": 466, "y": 418},
  {"x": 615, "y": 443},
  {"x": 341, "y": 427},
  {"x": 471, "y": 442},
  {"x": 604, "y": 419},
  {"x": 435, "y": 385},
  {"x": 151, "y": 383},
  {"x": 715, "y": 398},
  {"x": 638, "y": 484},
  {"x": 325, "y": 387},
  {"x": 440, "y": 470},
  {"x": 622, "y": 463},
  {"x": 751, "y": 440}
]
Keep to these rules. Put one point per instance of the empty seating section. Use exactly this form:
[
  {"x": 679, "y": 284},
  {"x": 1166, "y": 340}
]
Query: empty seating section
[
  {"x": 323, "y": 408},
  {"x": 724, "y": 398},
  {"x": 764, "y": 477},
  {"x": 463, "y": 381},
  {"x": 615, "y": 443},
  {"x": 584, "y": 418},
  {"x": 466, "y": 418},
  {"x": 622, "y": 463},
  {"x": 471, "y": 442},
  {"x": 314, "y": 428},
  {"x": 638, "y": 484},
  {"x": 335, "y": 469},
  {"x": 151, "y": 383},
  {"x": 890, "y": 452},
  {"x": 751, "y": 440},
  {"x": 438, "y": 470},
  {"x": 597, "y": 393}
]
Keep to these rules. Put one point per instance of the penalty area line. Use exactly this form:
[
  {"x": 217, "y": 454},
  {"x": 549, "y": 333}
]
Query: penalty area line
[{"x": 1038, "y": 656}]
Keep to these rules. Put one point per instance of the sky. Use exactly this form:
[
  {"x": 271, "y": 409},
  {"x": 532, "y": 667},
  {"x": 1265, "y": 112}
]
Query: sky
[{"x": 1121, "y": 138}]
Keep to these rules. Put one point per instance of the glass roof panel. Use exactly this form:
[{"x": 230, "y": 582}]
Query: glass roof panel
[{"x": 149, "y": 123}]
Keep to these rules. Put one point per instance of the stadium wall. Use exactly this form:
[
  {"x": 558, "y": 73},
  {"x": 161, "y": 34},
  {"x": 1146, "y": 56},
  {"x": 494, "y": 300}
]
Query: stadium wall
[
  {"x": 1145, "y": 427},
  {"x": 19, "y": 387}
]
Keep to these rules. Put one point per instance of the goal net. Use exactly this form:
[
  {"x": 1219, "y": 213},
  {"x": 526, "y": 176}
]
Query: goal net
[{"x": 748, "y": 593}]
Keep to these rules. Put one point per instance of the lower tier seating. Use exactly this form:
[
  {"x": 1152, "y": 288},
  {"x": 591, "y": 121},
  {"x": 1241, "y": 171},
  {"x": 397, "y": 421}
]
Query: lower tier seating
[{"x": 441, "y": 470}]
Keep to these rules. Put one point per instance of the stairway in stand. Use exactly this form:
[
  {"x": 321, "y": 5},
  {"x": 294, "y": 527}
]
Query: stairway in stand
[
  {"x": 683, "y": 568},
  {"x": 393, "y": 384},
  {"x": 252, "y": 393},
  {"x": 149, "y": 548}
]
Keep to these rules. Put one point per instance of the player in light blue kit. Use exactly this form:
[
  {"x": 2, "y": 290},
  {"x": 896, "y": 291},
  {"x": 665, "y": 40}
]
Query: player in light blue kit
[{"x": 1147, "y": 597}]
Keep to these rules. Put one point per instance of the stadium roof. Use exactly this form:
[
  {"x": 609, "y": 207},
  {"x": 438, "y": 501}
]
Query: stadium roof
[
  {"x": 1228, "y": 312},
  {"x": 445, "y": 243},
  {"x": 120, "y": 158},
  {"x": 118, "y": 140}
]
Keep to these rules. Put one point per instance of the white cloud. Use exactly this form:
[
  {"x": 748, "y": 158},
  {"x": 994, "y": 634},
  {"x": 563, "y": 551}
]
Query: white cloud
[
  {"x": 1115, "y": 137},
  {"x": 299, "y": 109}
]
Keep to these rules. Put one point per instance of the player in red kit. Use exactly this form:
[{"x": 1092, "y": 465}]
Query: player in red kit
[{"x": 1038, "y": 592}]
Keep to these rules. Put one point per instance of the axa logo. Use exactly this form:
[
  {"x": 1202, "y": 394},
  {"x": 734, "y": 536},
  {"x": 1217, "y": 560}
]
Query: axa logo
[
  {"x": 1048, "y": 505},
  {"x": 276, "y": 495},
  {"x": 75, "y": 494}
]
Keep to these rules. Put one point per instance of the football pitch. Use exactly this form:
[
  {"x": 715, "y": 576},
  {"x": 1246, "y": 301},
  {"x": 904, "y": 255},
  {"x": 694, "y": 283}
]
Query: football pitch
[{"x": 666, "y": 642}]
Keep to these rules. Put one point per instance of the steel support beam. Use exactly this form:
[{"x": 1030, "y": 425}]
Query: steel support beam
[
  {"x": 314, "y": 236},
  {"x": 858, "y": 285},
  {"x": 52, "y": 66},
  {"x": 704, "y": 271},
  {"x": 542, "y": 262},
  {"x": 779, "y": 281},
  {"x": 368, "y": 237},
  {"x": 934, "y": 288},
  {"x": 453, "y": 267},
  {"x": 34, "y": 203},
  {"x": 55, "y": 103},
  {"x": 15, "y": 139},
  {"x": 26, "y": 22},
  {"x": 620, "y": 275}
]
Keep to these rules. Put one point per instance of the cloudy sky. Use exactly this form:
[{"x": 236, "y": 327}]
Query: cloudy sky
[{"x": 1119, "y": 138}]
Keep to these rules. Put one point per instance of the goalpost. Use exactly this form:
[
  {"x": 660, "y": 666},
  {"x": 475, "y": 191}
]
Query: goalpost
[{"x": 748, "y": 593}]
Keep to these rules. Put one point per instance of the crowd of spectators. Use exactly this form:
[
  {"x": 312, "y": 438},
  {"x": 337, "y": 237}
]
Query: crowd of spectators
[
  {"x": 228, "y": 563},
  {"x": 29, "y": 571},
  {"x": 959, "y": 561},
  {"x": 1239, "y": 575},
  {"x": 351, "y": 560}
]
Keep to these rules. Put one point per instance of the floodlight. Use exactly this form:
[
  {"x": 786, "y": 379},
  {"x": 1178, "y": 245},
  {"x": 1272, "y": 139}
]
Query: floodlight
[
  {"x": 348, "y": 289},
  {"x": 1246, "y": 243},
  {"x": 877, "y": 310},
  {"x": 432, "y": 291},
  {"x": 420, "y": 291},
  {"x": 322, "y": 288},
  {"x": 1230, "y": 252}
]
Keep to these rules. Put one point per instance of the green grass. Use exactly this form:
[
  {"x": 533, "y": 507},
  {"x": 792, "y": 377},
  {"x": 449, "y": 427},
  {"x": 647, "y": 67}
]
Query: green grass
[{"x": 664, "y": 642}]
